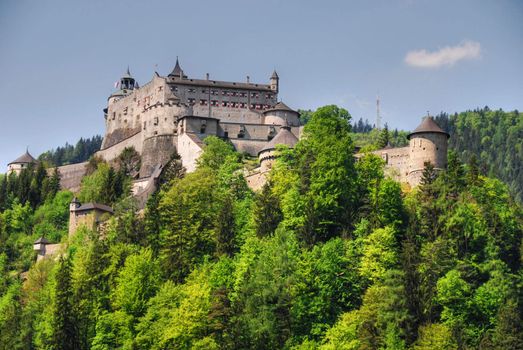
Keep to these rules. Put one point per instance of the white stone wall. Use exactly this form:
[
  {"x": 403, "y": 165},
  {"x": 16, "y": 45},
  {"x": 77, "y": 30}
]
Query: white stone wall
[{"x": 189, "y": 148}]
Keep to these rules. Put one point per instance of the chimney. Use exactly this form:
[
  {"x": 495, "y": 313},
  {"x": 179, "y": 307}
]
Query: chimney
[
  {"x": 207, "y": 76},
  {"x": 248, "y": 79}
]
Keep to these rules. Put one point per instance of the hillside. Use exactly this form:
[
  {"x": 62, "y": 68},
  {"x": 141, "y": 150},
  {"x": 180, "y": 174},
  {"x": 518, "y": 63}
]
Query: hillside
[
  {"x": 495, "y": 138},
  {"x": 330, "y": 254}
]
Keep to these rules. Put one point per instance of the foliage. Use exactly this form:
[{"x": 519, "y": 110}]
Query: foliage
[
  {"x": 330, "y": 254},
  {"x": 70, "y": 154}
]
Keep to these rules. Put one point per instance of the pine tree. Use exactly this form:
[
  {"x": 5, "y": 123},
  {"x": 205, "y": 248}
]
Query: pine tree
[
  {"x": 65, "y": 335},
  {"x": 225, "y": 230},
  {"x": 384, "y": 138},
  {"x": 267, "y": 212}
]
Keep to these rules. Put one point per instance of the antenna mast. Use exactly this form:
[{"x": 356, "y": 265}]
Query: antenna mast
[{"x": 378, "y": 116}]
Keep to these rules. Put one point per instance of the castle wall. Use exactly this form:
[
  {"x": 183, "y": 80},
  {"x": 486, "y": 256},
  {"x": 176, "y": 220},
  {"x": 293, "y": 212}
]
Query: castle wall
[
  {"x": 256, "y": 179},
  {"x": 156, "y": 150},
  {"x": 125, "y": 114},
  {"x": 189, "y": 147},
  {"x": 396, "y": 162},
  {"x": 111, "y": 153},
  {"x": 71, "y": 176}
]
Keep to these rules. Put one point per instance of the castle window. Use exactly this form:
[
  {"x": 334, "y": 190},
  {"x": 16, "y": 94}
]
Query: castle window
[
  {"x": 224, "y": 104},
  {"x": 241, "y": 133},
  {"x": 192, "y": 90},
  {"x": 203, "y": 102},
  {"x": 174, "y": 88},
  {"x": 114, "y": 115},
  {"x": 191, "y": 100},
  {"x": 144, "y": 125},
  {"x": 155, "y": 120},
  {"x": 202, "y": 128},
  {"x": 204, "y": 91},
  {"x": 226, "y": 134}
]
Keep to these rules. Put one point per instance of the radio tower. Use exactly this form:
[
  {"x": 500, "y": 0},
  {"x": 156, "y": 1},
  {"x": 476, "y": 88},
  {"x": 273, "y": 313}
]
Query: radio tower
[{"x": 378, "y": 116}]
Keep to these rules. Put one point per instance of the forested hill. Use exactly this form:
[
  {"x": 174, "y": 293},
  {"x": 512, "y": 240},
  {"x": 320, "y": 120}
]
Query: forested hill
[
  {"x": 329, "y": 255},
  {"x": 495, "y": 138},
  {"x": 70, "y": 154}
]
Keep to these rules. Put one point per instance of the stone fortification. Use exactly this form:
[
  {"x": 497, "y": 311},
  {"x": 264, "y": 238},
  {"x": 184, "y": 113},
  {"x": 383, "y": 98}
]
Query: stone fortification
[
  {"x": 427, "y": 143},
  {"x": 176, "y": 113}
]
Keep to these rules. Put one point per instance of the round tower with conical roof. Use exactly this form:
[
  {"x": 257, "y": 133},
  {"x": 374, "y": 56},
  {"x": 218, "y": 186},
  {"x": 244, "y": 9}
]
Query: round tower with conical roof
[
  {"x": 427, "y": 143},
  {"x": 267, "y": 155},
  {"x": 20, "y": 163},
  {"x": 281, "y": 115}
]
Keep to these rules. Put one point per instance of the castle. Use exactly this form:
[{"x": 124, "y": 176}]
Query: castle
[
  {"x": 427, "y": 143},
  {"x": 175, "y": 112}
]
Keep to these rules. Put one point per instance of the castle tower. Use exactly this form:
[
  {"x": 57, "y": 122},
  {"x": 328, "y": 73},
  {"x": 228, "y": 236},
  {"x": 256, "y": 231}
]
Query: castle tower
[
  {"x": 177, "y": 71},
  {"x": 281, "y": 115},
  {"x": 73, "y": 206},
  {"x": 427, "y": 143},
  {"x": 268, "y": 154},
  {"x": 274, "y": 81},
  {"x": 126, "y": 85},
  {"x": 20, "y": 163}
]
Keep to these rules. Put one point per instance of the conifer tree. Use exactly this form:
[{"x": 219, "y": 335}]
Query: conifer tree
[
  {"x": 225, "y": 232},
  {"x": 384, "y": 137},
  {"x": 267, "y": 212},
  {"x": 65, "y": 335}
]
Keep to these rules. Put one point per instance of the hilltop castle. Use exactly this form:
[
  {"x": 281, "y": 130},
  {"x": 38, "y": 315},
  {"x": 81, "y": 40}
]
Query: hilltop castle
[{"x": 175, "y": 112}]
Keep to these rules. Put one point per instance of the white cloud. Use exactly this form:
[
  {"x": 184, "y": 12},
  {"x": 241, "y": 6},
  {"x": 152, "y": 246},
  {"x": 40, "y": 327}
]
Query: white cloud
[{"x": 446, "y": 56}]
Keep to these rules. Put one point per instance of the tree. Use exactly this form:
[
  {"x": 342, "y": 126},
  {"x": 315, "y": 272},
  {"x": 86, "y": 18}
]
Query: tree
[
  {"x": 225, "y": 228},
  {"x": 384, "y": 138},
  {"x": 321, "y": 203},
  {"x": 188, "y": 216},
  {"x": 129, "y": 162},
  {"x": 267, "y": 212},
  {"x": 65, "y": 333}
]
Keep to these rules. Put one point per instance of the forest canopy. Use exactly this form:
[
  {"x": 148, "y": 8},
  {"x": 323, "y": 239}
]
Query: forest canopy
[{"x": 329, "y": 254}]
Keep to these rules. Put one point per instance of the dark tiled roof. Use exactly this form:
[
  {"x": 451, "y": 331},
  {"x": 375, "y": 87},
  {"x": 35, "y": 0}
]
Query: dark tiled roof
[
  {"x": 280, "y": 106},
  {"x": 93, "y": 206},
  {"x": 220, "y": 84},
  {"x": 177, "y": 70},
  {"x": 41, "y": 240},
  {"x": 23, "y": 159},
  {"x": 283, "y": 137},
  {"x": 428, "y": 125},
  {"x": 274, "y": 75}
]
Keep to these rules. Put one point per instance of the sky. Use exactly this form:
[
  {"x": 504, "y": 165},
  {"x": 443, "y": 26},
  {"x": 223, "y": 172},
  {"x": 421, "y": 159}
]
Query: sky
[{"x": 59, "y": 59}]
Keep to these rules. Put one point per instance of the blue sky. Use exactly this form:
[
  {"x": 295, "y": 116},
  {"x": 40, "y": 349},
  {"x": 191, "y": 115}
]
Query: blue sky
[{"x": 59, "y": 59}]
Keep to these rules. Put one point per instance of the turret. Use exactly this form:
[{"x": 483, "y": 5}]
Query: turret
[
  {"x": 282, "y": 115},
  {"x": 177, "y": 72},
  {"x": 427, "y": 143},
  {"x": 268, "y": 154},
  {"x": 20, "y": 163},
  {"x": 274, "y": 81},
  {"x": 126, "y": 85}
]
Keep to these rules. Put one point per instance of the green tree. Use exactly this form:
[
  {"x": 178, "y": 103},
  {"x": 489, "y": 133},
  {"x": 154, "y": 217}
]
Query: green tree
[
  {"x": 65, "y": 332},
  {"x": 267, "y": 212}
]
